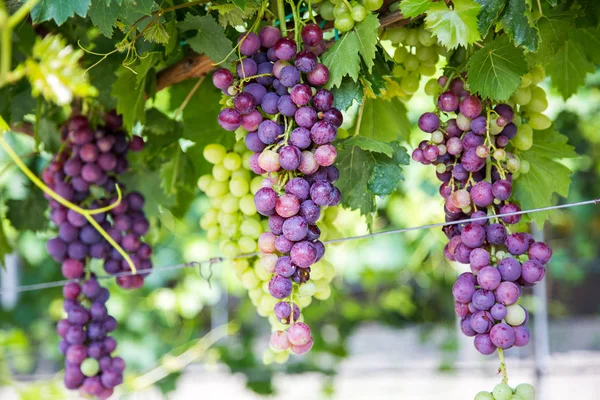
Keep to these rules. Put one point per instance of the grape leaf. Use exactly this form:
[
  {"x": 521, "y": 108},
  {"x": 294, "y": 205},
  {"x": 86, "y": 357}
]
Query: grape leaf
[
  {"x": 49, "y": 135},
  {"x": 366, "y": 32},
  {"x": 156, "y": 34},
  {"x": 231, "y": 15},
  {"x": 342, "y": 59},
  {"x": 387, "y": 173},
  {"x": 346, "y": 93},
  {"x": 176, "y": 172},
  {"x": 371, "y": 145},
  {"x": 24, "y": 214},
  {"x": 210, "y": 38},
  {"x": 490, "y": 10},
  {"x": 59, "y": 11},
  {"x": 147, "y": 182},
  {"x": 104, "y": 16},
  {"x": 554, "y": 29},
  {"x": 105, "y": 13},
  {"x": 356, "y": 164},
  {"x": 384, "y": 120},
  {"x": 589, "y": 40},
  {"x": 414, "y": 8},
  {"x": 546, "y": 176},
  {"x": 130, "y": 98},
  {"x": 454, "y": 27},
  {"x": 158, "y": 123},
  {"x": 495, "y": 70},
  {"x": 569, "y": 67},
  {"x": 516, "y": 20}
]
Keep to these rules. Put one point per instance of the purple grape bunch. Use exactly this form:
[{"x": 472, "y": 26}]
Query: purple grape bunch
[
  {"x": 291, "y": 123},
  {"x": 88, "y": 166},
  {"x": 85, "y": 343},
  {"x": 468, "y": 148}
]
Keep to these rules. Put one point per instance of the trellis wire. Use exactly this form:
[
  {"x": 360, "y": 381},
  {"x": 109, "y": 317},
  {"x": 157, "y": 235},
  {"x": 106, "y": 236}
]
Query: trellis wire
[{"x": 217, "y": 260}]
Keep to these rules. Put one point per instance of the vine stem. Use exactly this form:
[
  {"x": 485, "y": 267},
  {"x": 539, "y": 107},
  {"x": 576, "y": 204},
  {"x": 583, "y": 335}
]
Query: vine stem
[
  {"x": 502, "y": 366},
  {"x": 187, "y": 98},
  {"x": 360, "y": 115},
  {"x": 88, "y": 214},
  {"x": 281, "y": 14}
]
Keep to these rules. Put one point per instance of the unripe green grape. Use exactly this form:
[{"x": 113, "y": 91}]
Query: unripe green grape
[
  {"x": 239, "y": 146},
  {"x": 515, "y": 397},
  {"x": 500, "y": 255},
  {"x": 269, "y": 355},
  {"x": 412, "y": 38},
  {"x": 241, "y": 173},
  {"x": 239, "y": 186},
  {"x": 524, "y": 138},
  {"x": 307, "y": 289},
  {"x": 432, "y": 87},
  {"x": 502, "y": 392},
  {"x": 256, "y": 184},
  {"x": 282, "y": 357},
  {"x": 249, "y": 279},
  {"x": 536, "y": 105},
  {"x": 267, "y": 303},
  {"x": 399, "y": 71},
  {"x": 326, "y": 11},
  {"x": 437, "y": 137},
  {"x": 341, "y": 9},
  {"x": 90, "y": 367},
  {"x": 539, "y": 121},
  {"x": 303, "y": 302},
  {"x": 251, "y": 227},
  {"x": 484, "y": 396},
  {"x": 232, "y": 161},
  {"x": 515, "y": 315},
  {"x": 217, "y": 188},
  {"x": 425, "y": 53},
  {"x": 400, "y": 54},
  {"x": 525, "y": 167},
  {"x": 537, "y": 74},
  {"x": 522, "y": 96},
  {"x": 425, "y": 37},
  {"x": 317, "y": 271},
  {"x": 343, "y": 22},
  {"x": 526, "y": 80},
  {"x": 323, "y": 291},
  {"x": 230, "y": 203},
  {"x": 359, "y": 13},
  {"x": 214, "y": 153},
  {"x": 499, "y": 154},
  {"x": 411, "y": 62},
  {"x": 410, "y": 83},
  {"x": 525, "y": 391},
  {"x": 329, "y": 270},
  {"x": 427, "y": 70},
  {"x": 372, "y": 5},
  {"x": 220, "y": 173},
  {"x": 215, "y": 201},
  {"x": 204, "y": 182},
  {"x": 213, "y": 233},
  {"x": 247, "y": 244},
  {"x": 247, "y": 206},
  {"x": 513, "y": 164},
  {"x": 255, "y": 294},
  {"x": 494, "y": 128},
  {"x": 463, "y": 122},
  {"x": 395, "y": 35},
  {"x": 211, "y": 217},
  {"x": 262, "y": 273}
]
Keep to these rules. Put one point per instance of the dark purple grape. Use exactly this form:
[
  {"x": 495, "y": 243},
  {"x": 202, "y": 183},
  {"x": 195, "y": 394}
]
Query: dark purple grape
[
  {"x": 269, "y": 103},
  {"x": 286, "y": 106},
  {"x": 222, "y": 79},
  {"x": 429, "y": 122},
  {"x": 305, "y": 61},
  {"x": 502, "y": 189},
  {"x": 472, "y": 141},
  {"x": 510, "y": 208},
  {"x": 244, "y": 103},
  {"x": 285, "y": 49},
  {"x": 334, "y": 116},
  {"x": 496, "y": 234},
  {"x": 301, "y": 94},
  {"x": 448, "y": 102},
  {"x": 280, "y": 287},
  {"x": 323, "y": 132},
  {"x": 320, "y": 192},
  {"x": 318, "y": 76},
  {"x": 510, "y": 131},
  {"x": 250, "y": 44},
  {"x": 312, "y": 34},
  {"x": 299, "y": 187},
  {"x": 323, "y": 100},
  {"x": 505, "y": 111},
  {"x": 265, "y": 68},
  {"x": 471, "y": 161},
  {"x": 257, "y": 91},
  {"x": 230, "y": 119},
  {"x": 246, "y": 68},
  {"x": 479, "y": 125}
]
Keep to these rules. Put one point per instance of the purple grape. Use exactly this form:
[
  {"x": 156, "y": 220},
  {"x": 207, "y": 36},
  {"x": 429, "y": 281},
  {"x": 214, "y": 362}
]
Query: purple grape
[
  {"x": 269, "y": 103},
  {"x": 284, "y": 267},
  {"x": 313, "y": 233},
  {"x": 473, "y": 235},
  {"x": 522, "y": 335},
  {"x": 510, "y": 208},
  {"x": 265, "y": 200},
  {"x": 222, "y": 79},
  {"x": 460, "y": 173},
  {"x": 483, "y": 299},
  {"x": 110, "y": 324},
  {"x": 230, "y": 119},
  {"x": 502, "y": 335},
  {"x": 283, "y": 311},
  {"x": 280, "y": 287},
  {"x": 286, "y": 106},
  {"x": 303, "y": 254},
  {"x": 300, "y": 137},
  {"x": 448, "y": 102},
  {"x": 265, "y": 68},
  {"x": 257, "y": 91},
  {"x": 312, "y": 35},
  {"x": 471, "y": 161},
  {"x": 285, "y": 49},
  {"x": 305, "y": 117},
  {"x": 310, "y": 211},
  {"x": 323, "y": 132},
  {"x": 498, "y": 311},
  {"x": 88, "y": 153},
  {"x": 269, "y": 131},
  {"x": 246, "y": 68},
  {"x": 289, "y": 76},
  {"x": 89, "y": 235},
  {"x": 295, "y": 228},
  {"x": 301, "y": 94},
  {"x": 463, "y": 290},
  {"x": 489, "y": 278},
  {"x": 470, "y": 107},
  {"x": 505, "y": 111},
  {"x": 318, "y": 76},
  {"x": 320, "y": 192},
  {"x": 517, "y": 244},
  {"x": 482, "y": 321},
  {"x": 67, "y": 233},
  {"x": 479, "y": 125},
  {"x": 305, "y": 61},
  {"x": 269, "y": 35},
  {"x": 333, "y": 173},
  {"x": 510, "y": 269},
  {"x": 73, "y": 377},
  {"x": 110, "y": 344},
  {"x": 484, "y": 344},
  {"x": 253, "y": 142},
  {"x": 510, "y": 131},
  {"x": 496, "y": 234},
  {"x": 462, "y": 253},
  {"x": 289, "y": 158},
  {"x": 299, "y": 187},
  {"x": 533, "y": 271},
  {"x": 461, "y": 309},
  {"x": 244, "y": 103},
  {"x": 276, "y": 222},
  {"x": 481, "y": 194},
  {"x": 252, "y": 120},
  {"x": 502, "y": 189},
  {"x": 323, "y": 100},
  {"x": 333, "y": 116},
  {"x": 465, "y": 326},
  {"x": 507, "y": 293},
  {"x": 250, "y": 44},
  {"x": 540, "y": 251},
  {"x": 282, "y": 244},
  {"x": 429, "y": 122}
]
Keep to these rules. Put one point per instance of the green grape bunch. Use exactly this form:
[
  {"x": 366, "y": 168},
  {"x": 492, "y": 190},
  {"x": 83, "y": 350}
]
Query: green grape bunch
[
  {"x": 502, "y": 391},
  {"x": 345, "y": 14}
]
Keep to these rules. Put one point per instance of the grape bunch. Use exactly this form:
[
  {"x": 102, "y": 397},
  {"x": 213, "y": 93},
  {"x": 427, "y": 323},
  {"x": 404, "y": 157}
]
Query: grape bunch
[
  {"x": 416, "y": 54},
  {"x": 232, "y": 218},
  {"x": 291, "y": 123},
  {"x": 85, "y": 343},
  {"x": 344, "y": 15},
  {"x": 469, "y": 148},
  {"x": 502, "y": 391},
  {"x": 85, "y": 172}
]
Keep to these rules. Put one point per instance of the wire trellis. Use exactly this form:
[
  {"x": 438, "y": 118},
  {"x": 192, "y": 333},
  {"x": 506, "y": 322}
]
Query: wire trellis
[{"x": 216, "y": 260}]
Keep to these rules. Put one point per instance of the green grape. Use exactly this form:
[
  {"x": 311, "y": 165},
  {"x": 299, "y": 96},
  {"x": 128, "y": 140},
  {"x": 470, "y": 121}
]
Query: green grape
[
  {"x": 241, "y": 173},
  {"x": 502, "y": 392},
  {"x": 372, "y": 5},
  {"x": 247, "y": 206},
  {"x": 267, "y": 303},
  {"x": 432, "y": 87},
  {"x": 246, "y": 159},
  {"x": 412, "y": 39},
  {"x": 326, "y": 11},
  {"x": 262, "y": 273},
  {"x": 282, "y": 357},
  {"x": 526, "y": 80},
  {"x": 359, "y": 13},
  {"x": 247, "y": 244},
  {"x": 204, "y": 182},
  {"x": 427, "y": 70},
  {"x": 522, "y": 96},
  {"x": 230, "y": 203},
  {"x": 255, "y": 294},
  {"x": 395, "y": 35},
  {"x": 214, "y": 153},
  {"x": 426, "y": 38},
  {"x": 303, "y": 302},
  {"x": 515, "y": 397},
  {"x": 232, "y": 161},
  {"x": 213, "y": 233},
  {"x": 513, "y": 164},
  {"x": 269, "y": 355},
  {"x": 220, "y": 173},
  {"x": 525, "y": 167},
  {"x": 410, "y": 83},
  {"x": 484, "y": 396},
  {"x": 411, "y": 62},
  {"x": 317, "y": 271},
  {"x": 494, "y": 128},
  {"x": 524, "y": 138},
  {"x": 539, "y": 121},
  {"x": 538, "y": 102},
  {"x": 239, "y": 146},
  {"x": 307, "y": 289},
  {"x": 515, "y": 315},
  {"x": 400, "y": 54},
  {"x": 256, "y": 184},
  {"x": 251, "y": 228},
  {"x": 537, "y": 74},
  {"x": 239, "y": 186},
  {"x": 90, "y": 367},
  {"x": 525, "y": 391},
  {"x": 341, "y": 9},
  {"x": 343, "y": 22},
  {"x": 426, "y": 53},
  {"x": 230, "y": 249},
  {"x": 217, "y": 188},
  {"x": 249, "y": 279},
  {"x": 323, "y": 290}
]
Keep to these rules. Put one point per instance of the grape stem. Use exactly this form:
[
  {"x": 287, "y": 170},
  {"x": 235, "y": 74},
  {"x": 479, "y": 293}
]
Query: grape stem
[
  {"x": 88, "y": 214},
  {"x": 281, "y": 14},
  {"x": 502, "y": 366}
]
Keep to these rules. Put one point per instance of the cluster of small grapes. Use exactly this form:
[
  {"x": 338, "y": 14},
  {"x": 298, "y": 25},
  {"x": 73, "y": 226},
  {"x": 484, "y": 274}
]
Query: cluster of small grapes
[
  {"x": 344, "y": 14},
  {"x": 85, "y": 173},
  {"x": 232, "y": 218},
  {"x": 416, "y": 54},
  {"x": 89, "y": 365},
  {"x": 293, "y": 148},
  {"x": 467, "y": 146},
  {"x": 502, "y": 391}
]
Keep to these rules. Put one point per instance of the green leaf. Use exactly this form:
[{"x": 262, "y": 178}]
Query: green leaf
[
  {"x": 554, "y": 29},
  {"x": 156, "y": 34},
  {"x": 210, "y": 38},
  {"x": 5, "y": 247},
  {"x": 366, "y": 32},
  {"x": 104, "y": 13},
  {"x": 569, "y": 67},
  {"x": 103, "y": 16},
  {"x": 375, "y": 81},
  {"x": 589, "y": 41},
  {"x": 130, "y": 98},
  {"x": 342, "y": 59},
  {"x": 371, "y": 145},
  {"x": 49, "y": 135},
  {"x": 454, "y": 27},
  {"x": 28, "y": 213},
  {"x": 384, "y": 178},
  {"x": 231, "y": 15},
  {"x": 59, "y": 11},
  {"x": 490, "y": 10},
  {"x": 495, "y": 70},
  {"x": 546, "y": 176},
  {"x": 347, "y": 93},
  {"x": 414, "y": 8},
  {"x": 384, "y": 120},
  {"x": 517, "y": 21},
  {"x": 356, "y": 164},
  {"x": 158, "y": 123}
]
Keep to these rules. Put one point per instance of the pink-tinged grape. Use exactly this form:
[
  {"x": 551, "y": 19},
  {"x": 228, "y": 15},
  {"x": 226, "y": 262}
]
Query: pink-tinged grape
[
  {"x": 91, "y": 173},
  {"x": 246, "y": 68},
  {"x": 287, "y": 205},
  {"x": 283, "y": 244},
  {"x": 431, "y": 152},
  {"x": 454, "y": 146},
  {"x": 295, "y": 228},
  {"x": 482, "y": 151},
  {"x": 285, "y": 49},
  {"x": 244, "y": 103},
  {"x": 265, "y": 200},
  {"x": 448, "y": 101},
  {"x": 310, "y": 211},
  {"x": 308, "y": 164},
  {"x": 312, "y": 34},
  {"x": 479, "y": 259},
  {"x": 489, "y": 278},
  {"x": 462, "y": 253},
  {"x": 280, "y": 287},
  {"x": 289, "y": 158},
  {"x": 298, "y": 187},
  {"x": 502, "y": 335},
  {"x": 299, "y": 334},
  {"x": 266, "y": 242},
  {"x": 334, "y": 117},
  {"x": 481, "y": 194},
  {"x": 484, "y": 345},
  {"x": 510, "y": 208},
  {"x": 269, "y": 161},
  {"x": 502, "y": 189},
  {"x": 323, "y": 100},
  {"x": 465, "y": 326},
  {"x": 269, "y": 35},
  {"x": 279, "y": 340},
  {"x": 302, "y": 349},
  {"x": 461, "y": 198},
  {"x": 318, "y": 76},
  {"x": 250, "y": 44},
  {"x": 522, "y": 335},
  {"x": 300, "y": 137},
  {"x": 461, "y": 309},
  {"x": 498, "y": 311},
  {"x": 284, "y": 267},
  {"x": 429, "y": 122},
  {"x": 517, "y": 244},
  {"x": 305, "y": 61},
  {"x": 418, "y": 156},
  {"x": 471, "y": 161},
  {"x": 301, "y": 94},
  {"x": 72, "y": 269},
  {"x": 473, "y": 235},
  {"x": 482, "y": 321},
  {"x": 483, "y": 299},
  {"x": 88, "y": 153},
  {"x": 269, "y": 103},
  {"x": 325, "y": 155},
  {"x": 470, "y": 107},
  {"x": 303, "y": 254},
  {"x": 496, "y": 234},
  {"x": 540, "y": 251},
  {"x": 305, "y": 116},
  {"x": 507, "y": 293},
  {"x": 463, "y": 290},
  {"x": 532, "y": 271},
  {"x": 107, "y": 161},
  {"x": 269, "y": 131},
  {"x": 229, "y": 119},
  {"x": 323, "y": 132},
  {"x": 320, "y": 192}
]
